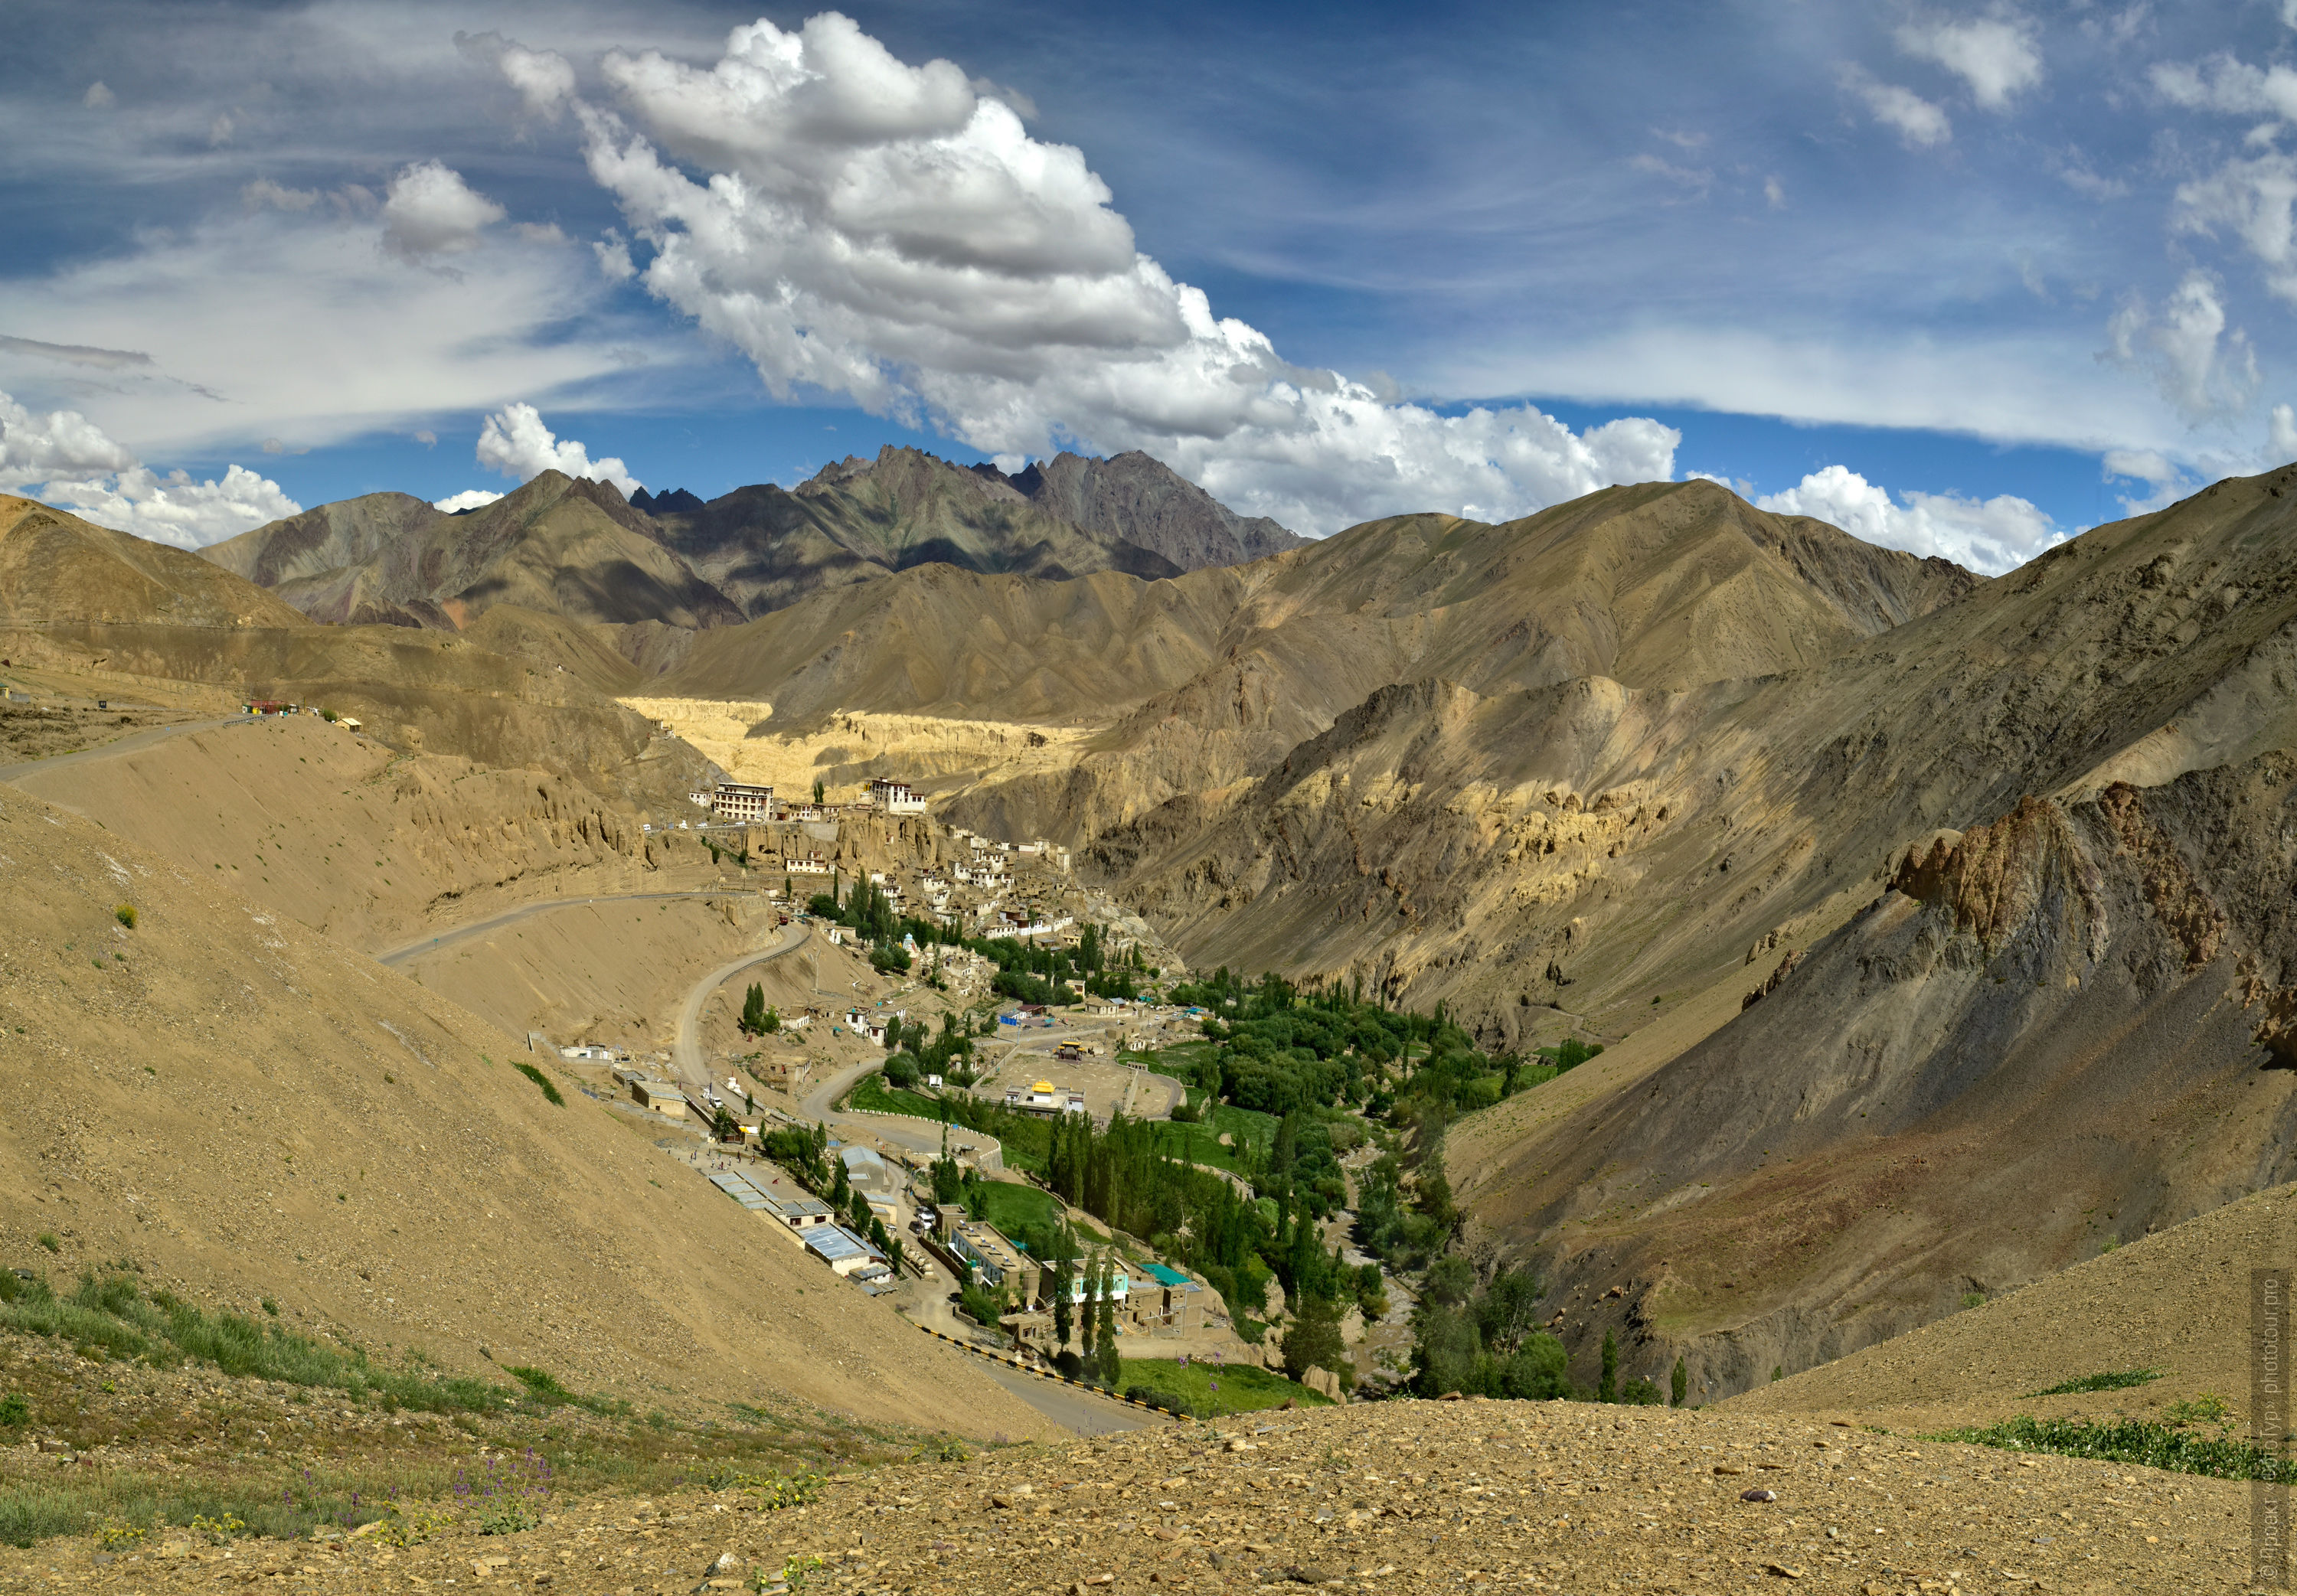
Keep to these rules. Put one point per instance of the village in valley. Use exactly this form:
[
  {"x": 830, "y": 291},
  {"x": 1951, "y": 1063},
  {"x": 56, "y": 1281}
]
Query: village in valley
[{"x": 884, "y": 1083}]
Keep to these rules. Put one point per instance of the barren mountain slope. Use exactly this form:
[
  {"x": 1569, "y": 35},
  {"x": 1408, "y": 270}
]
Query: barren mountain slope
[
  {"x": 2043, "y": 1041},
  {"x": 940, "y": 640},
  {"x": 325, "y": 538},
  {"x": 1660, "y": 585},
  {"x": 2175, "y": 1302},
  {"x": 1687, "y": 823},
  {"x": 1145, "y": 501},
  {"x": 568, "y": 545},
  {"x": 249, "y": 1110},
  {"x": 861, "y": 519},
  {"x": 417, "y": 691},
  {"x": 372, "y": 847},
  {"x": 1610, "y": 850},
  {"x": 1195, "y": 683},
  {"x": 54, "y": 566},
  {"x": 116, "y": 612}
]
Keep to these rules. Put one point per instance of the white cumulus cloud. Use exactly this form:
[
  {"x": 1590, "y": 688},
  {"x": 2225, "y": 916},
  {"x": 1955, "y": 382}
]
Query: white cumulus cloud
[
  {"x": 2281, "y": 432},
  {"x": 1986, "y": 535},
  {"x": 61, "y": 443},
  {"x": 2223, "y": 83},
  {"x": 516, "y": 442},
  {"x": 69, "y": 461},
  {"x": 863, "y": 227},
  {"x": 469, "y": 498},
  {"x": 177, "y": 508},
  {"x": 429, "y": 210},
  {"x": 2251, "y": 199},
  {"x": 1996, "y": 56},
  {"x": 2204, "y": 368},
  {"x": 1919, "y": 123}
]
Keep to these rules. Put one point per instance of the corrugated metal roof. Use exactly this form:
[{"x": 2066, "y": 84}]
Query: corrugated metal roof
[
  {"x": 834, "y": 1242},
  {"x": 740, "y": 1189}
]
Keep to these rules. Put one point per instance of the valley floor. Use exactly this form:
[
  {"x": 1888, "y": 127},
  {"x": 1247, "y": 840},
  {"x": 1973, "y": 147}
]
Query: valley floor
[{"x": 1401, "y": 1496}]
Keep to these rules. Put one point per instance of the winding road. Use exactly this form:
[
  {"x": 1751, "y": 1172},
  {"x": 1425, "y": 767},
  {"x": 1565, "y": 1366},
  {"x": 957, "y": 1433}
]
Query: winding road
[
  {"x": 133, "y": 743},
  {"x": 686, "y": 1050},
  {"x": 449, "y": 938}
]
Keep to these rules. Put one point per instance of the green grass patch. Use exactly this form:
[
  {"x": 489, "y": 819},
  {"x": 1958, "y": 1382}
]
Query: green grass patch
[
  {"x": 1200, "y": 1143},
  {"x": 1245, "y": 1124},
  {"x": 2102, "y": 1382},
  {"x": 114, "y": 1315},
  {"x": 541, "y": 1080},
  {"x": 1179, "y": 1060},
  {"x": 1010, "y": 1206},
  {"x": 1243, "y": 1388},
  {"x": 870, "y": 1092},
  {"x": 2134, "y": 1441}
]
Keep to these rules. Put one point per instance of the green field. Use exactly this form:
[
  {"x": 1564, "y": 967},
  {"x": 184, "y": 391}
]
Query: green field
[
  {"x": 1010, "y": 1205},
  {"x": 1243, "y": 1389},
  {"x": 1180, "y": 1061},
  {"x": 871, "y": 1092}
]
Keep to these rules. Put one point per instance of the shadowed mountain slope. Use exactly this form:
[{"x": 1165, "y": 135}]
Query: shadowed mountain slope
[
  {"x": 1146, "y": 502},
  {"x": 568, "y": 545},
  {"x": 858, "y": 520},
  {"x": 331, "y": 536}
]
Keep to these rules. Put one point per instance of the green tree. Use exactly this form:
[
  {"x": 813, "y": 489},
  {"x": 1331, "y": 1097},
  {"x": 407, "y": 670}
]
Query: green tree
[
  {"x": 753, "y": 1010},
  {"x": 1538, "y": 1370},
  {"x": 817, "y": 789},
  {"x": 1112, "y": 1365},
  {"x": 1064, "y": 1315},
  {"x": 1313, "y": 1341},
  {"x": 1678, "y": 1384},
  {"x": 1606, "y": 1386},
  {"x": 1107, "y": 1327},
  {"x": 722, "y": 1125}
]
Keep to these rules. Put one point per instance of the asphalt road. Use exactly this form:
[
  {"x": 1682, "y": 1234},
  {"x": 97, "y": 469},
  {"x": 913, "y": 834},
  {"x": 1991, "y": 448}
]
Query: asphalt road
[
  {"x": 1080, "y": 1410},
  {"x": 685, "y": 1051},
  {"x": 448, "y": 939},
  {"x": 134, "y": 742}
]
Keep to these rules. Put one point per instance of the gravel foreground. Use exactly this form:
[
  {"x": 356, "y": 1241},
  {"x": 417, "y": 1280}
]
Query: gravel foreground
[{"x": 1396, "y": 1497}]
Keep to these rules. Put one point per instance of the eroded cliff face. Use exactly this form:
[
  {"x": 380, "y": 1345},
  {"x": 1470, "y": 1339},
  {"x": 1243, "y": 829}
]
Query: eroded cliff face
[{"x": 2067, "y": 1027}]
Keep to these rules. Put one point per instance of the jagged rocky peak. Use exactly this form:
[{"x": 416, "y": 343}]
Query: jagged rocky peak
[
  {"x": 1138, "y": 497},
  {"x": 678, "y": 501}
]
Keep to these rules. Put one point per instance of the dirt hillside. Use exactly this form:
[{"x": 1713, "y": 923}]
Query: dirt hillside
[
  {"x": 54, "y": 566},
  {"x": 354, "y": 839},
  {"x": 248, "y": 1110},
  {"x": 1402, "y": 1496},
  {"x": 2176, "y": 1303}
]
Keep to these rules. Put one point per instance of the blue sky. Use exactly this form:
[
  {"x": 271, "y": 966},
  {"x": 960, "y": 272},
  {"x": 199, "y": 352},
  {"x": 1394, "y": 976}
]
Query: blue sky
[{"x": 1962, "y": 278}]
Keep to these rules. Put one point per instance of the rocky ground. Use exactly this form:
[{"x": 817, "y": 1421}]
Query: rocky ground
[{"x": 1402, "y": 1496}]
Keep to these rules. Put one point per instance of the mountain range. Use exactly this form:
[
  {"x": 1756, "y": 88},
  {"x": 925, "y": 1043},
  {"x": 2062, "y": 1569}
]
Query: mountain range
[
  {"x": 1936, "y": 927},
  {"x": 576, "y": 549}
]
